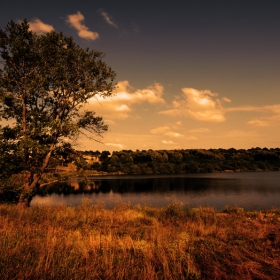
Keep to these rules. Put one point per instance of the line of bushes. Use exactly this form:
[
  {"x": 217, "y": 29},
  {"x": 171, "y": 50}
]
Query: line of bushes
[{"x": 183, "y": 161}]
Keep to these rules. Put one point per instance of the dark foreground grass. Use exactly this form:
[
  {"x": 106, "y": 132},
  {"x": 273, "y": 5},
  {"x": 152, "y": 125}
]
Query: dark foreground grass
[{"x": 176, "y": 242}]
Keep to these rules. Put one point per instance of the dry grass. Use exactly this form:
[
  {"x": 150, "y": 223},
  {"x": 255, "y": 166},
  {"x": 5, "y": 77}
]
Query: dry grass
[{"x": 176, "y": 242}]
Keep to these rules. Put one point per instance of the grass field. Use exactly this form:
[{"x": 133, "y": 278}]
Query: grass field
[{"x": 175, "y": 242}]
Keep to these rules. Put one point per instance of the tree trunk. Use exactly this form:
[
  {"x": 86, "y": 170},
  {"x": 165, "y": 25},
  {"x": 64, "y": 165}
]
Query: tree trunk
[
  {"x": 23, "y": 116},
  {"x": 29, "y": 187}
]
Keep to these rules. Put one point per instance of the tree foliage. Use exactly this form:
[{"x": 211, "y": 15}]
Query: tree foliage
[
  {"x": 191, "y": 161},
  {"x": 45, "y": 80}
]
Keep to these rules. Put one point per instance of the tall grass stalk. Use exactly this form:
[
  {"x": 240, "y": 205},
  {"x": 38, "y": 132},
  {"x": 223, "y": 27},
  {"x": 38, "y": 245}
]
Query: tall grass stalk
[{"x": 133, "y": 242}]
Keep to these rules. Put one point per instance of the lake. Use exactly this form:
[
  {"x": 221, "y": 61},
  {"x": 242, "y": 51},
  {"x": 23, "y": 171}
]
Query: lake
[{"x": 250, "y": 190}]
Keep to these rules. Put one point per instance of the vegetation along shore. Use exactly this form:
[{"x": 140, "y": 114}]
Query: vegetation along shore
[
  {"x": 175, "y": 242},
  {"x": 176, "y": 161}
]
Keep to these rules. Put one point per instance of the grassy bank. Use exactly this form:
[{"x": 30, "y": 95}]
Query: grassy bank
[{"x": 91, "y": 242}]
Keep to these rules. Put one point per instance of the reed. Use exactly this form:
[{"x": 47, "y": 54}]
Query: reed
[{"x": 138, "y": 242}]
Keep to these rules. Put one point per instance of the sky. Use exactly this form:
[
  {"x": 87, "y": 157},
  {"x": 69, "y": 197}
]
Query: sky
[{"x": 190, "y": 74}]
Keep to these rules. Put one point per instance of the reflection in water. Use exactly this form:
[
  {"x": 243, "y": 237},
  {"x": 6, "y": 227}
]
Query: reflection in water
[{"x": 249, "y": 190}]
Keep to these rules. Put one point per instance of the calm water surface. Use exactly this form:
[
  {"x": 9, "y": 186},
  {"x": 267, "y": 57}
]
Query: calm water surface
[{"x": 251, "y": 190}]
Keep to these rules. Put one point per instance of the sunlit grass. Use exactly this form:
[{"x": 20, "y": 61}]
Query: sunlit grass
[{"x": 135, "y": 242}]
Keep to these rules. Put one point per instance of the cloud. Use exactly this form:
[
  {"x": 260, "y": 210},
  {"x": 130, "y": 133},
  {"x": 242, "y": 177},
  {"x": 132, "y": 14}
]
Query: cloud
[
  {"x": 39, "y": 27},
  {"x": 108, "y": 18},
  {"x": 167, "y": 142},
  {"x": 120, "y": 146},
  {"x": 270, "y": 114},
  {"x": 122, "y": 103},
  {"x": 123, "y": 108},
  {"x": 165, "y": 130},
  {"x": 109, "y": 122},
  {"x": 160, "y": 130},
  {"x": 201, "y": 105},
  {"x": 226, "y": 99},
  {"x": 76, "y": 20},
  {"x": 174, "y": 134},
  {"x": 257, "y": 122},
  {"x": 272, "y": 109},
  {"x": 247, "y": 108},
  {"x": 151, "y": 94}
]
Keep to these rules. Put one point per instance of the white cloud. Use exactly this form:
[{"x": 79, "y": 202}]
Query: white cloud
[
  {"x": 120, "y": 146},
  {"x": 268, "y": 115},
  {"x": 39, "y": 27},
  {"x": 123, "y": 108},
  {"x": 108, "y": 18},
  {"x": 167, "y": 142},
  {"x": 122, "y": 103},
  {"x": 272, "y": 109},
  {"x": 202, "y": 105},
  {"x": 174, "y": 134},
  {"x": 257, "y": 122},
  {"x": 160, "y": 130},
  {"x": 151, "y": 94},
  {"x": 109, "y": 122},
  {"x": 165, "y": 130},
  {"x": 226, "y": 99},
  {"x": 76, "y": 20},
  {"x": 247, "y": 108}
]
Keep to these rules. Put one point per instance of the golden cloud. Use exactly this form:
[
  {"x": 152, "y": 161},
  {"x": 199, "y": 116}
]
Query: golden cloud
[
  {"x": 270, "y": 114},
  {"x": 167, "y": 142},
  {"x": 198, "y": 104},
  {"x": 151, "y": 94},
  {"x": 76, "y": 20},
  {"x": 160, "y": 130},
  {"x": 121, "y": 103},
  {"x": 39, "y": 27},
  {"x": 272, "y": 109},
  {"x": 120, "y": 146},
  {"x": 226, "y": 99},
  {"x": 123, "y": 108},
  {"x": 108, "y": 18},
  {"x": 174, "y": 134},
  {"x": 257, "y": 122}
]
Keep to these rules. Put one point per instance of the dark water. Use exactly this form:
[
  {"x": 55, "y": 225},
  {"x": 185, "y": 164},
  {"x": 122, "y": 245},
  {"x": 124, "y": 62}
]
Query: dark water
[{"x": 251, "y": 190}]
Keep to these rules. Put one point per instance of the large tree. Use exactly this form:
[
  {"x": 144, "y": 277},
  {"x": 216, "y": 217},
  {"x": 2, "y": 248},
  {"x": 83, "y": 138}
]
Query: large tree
[{"x": 45, "y": 80}]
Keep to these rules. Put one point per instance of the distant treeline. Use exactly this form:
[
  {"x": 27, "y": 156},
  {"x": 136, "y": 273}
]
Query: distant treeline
[{"x": 183, "y": 161}]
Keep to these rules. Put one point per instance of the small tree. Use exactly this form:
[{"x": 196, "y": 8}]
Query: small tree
[{"x": 45, "y": 80}]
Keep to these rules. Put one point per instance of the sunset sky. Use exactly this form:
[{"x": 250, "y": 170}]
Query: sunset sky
[{"x": 190, "y": 74}]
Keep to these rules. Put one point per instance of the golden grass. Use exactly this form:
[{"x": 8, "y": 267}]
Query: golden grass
[{"x": 175, "y": 242}]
